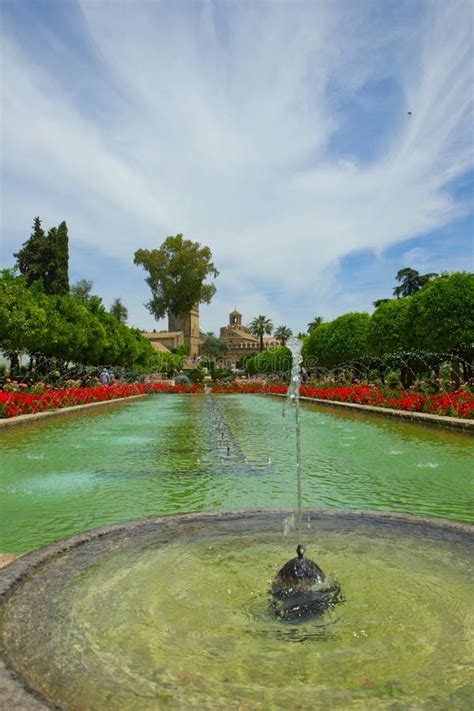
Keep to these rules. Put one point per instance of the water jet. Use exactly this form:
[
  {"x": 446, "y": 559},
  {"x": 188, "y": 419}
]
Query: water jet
[{"x": 300, "y": 588}]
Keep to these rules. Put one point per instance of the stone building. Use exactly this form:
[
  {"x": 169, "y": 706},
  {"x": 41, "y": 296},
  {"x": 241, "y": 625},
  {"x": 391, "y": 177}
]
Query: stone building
[
  {"x": 238, "y": 336},
  {"x": 187, "y": 334},
  {"x": 241, "y": 341}
]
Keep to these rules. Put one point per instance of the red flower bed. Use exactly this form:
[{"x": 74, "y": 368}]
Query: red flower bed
[
  {"x": 456, "y": 404},
  {"x": 21, "y": 403}
]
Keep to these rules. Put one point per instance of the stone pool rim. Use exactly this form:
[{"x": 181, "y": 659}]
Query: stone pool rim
[
  {"x": 14, "y": 690},
  {"x": 463, "y": 425}
]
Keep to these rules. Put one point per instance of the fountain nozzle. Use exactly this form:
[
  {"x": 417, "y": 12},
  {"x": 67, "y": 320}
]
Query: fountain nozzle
[{"x": 301, "y": 589}]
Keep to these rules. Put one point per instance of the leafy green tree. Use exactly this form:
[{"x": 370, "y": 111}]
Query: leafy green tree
[
  {"x": 273, "y": 360},
  {"x": 75, "y": 334},
  {"x": 24, "y": 318},
  {"x": 61, "y": 329},
  {"x": 260, "y": 326},
  {"x": 282, "y": 334},
  {"x": 119, "y": 311},
  {"x": 317, "y": 321},
  {"x": 411, "y": 281},
  {"x": 388, "y": 330},
  {"x": 214, "y": 347},
  {"x": 317, "y": 350},
  {"x": 441, "y": 318},
  {"x": 340, "y": 341},
  {"x": 177, "y": 272},
  {"x": 82, "y": 289}
]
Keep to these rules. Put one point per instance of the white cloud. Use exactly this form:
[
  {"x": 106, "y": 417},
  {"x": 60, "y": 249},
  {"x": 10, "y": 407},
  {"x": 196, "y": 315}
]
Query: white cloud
[{"x": 223, "y": 132}]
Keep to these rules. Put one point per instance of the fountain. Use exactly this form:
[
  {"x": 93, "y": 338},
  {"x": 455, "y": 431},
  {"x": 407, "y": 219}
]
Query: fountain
[
  {"x": 173, "y": 611},
  {"x": 300, "y": 588}
]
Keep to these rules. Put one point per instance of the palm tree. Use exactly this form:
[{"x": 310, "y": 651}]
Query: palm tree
[
  {"x": 259, "y": 326},
  {"x": 411, "y": 281},
  {"x": 283, "y": 333},
  {"x": 317, "y": 321}
]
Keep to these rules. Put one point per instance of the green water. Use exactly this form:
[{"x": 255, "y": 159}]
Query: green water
[
  {"x": 169, "y": 454},
  {"x": 187, "y": 625}
]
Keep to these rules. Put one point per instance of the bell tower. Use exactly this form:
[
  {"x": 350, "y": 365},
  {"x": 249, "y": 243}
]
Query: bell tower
[
  {"x": 189, "y": 325},
  {"x": 235, "y": 319}
]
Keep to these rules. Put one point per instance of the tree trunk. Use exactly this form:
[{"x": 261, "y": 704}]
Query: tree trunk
[
  {"x": 456, "y": 372},
  {"x": 173, "y": 322},
  {"x": 467, "y": 371},
  {"x": 407, "y": 375},
  {"x": 14, "y": 363},
  {"x": 261, "y": 342}
]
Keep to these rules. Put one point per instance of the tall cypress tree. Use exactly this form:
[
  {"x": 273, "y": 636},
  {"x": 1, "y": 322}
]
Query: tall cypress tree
[
  {"x": 46, "y": 258},
  {"x": 57, "y": 277},
  {"x": 31, "y": 258}
]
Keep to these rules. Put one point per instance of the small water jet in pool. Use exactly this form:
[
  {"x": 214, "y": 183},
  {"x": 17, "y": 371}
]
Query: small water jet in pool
[{"x": 300, "y": 588}]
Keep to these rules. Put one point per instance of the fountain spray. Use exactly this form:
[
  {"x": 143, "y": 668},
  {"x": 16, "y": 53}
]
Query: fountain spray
[{"x": 300, "y": 587}]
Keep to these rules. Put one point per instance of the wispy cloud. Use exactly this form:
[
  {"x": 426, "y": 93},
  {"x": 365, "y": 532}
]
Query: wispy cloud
[{"x": 222, "y": 121}]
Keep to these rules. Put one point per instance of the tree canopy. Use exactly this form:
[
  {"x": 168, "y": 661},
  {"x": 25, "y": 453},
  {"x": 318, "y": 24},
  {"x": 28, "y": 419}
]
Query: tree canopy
[
  {"x": 339, "y": 341},
  {"x": 411, "y": 281},
  {"x": 441, "y": 315},
  {"x": 282, "y": 334},
  {"x": 119, "y": 310},
  {"x": 177, "y": 272},
  {"x": 45, "y": 258},
  {"x": 314, "y": 323},
  {"x": 273, "y": 360},
  {"x": 388, "y": 330},
  {"x": 260, "y": 326},
  {"x": 214, "y": 347},
  {"x": 82, "y": 289},
  {"x": 70, "y": 329}
]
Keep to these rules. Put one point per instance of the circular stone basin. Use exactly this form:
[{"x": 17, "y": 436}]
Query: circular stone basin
[{"x": 174, "y": 612}]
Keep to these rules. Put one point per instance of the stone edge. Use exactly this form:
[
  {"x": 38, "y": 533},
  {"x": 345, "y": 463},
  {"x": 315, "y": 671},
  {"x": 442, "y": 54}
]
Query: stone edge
[
  {"x": 14, "y": 690},
  {"x": 422, "y": 418},
  {"x": 28, "y": 419}
]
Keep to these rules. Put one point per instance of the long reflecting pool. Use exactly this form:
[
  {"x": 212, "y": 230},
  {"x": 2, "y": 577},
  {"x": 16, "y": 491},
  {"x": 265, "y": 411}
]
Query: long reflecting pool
[{"x": 177, "y": 453}]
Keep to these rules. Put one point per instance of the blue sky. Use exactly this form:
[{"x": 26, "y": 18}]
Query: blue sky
[{"x": 277, "y": 133}]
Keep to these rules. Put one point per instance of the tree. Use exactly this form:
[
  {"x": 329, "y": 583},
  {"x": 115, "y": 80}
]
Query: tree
[
  {"x": 317, "y": 321},
  {"x": 259, "y": 326},
  {"x": 388, "y": 330},
  {"x": 273, "y": 360},
  {"x": 379, "y": 302},
  {"x": 441, "y": 318},
  {"x": 30, "y": 258},
  {"x": 411, "y": 281},
  {"x": 177, "y": 272},
  {"x": 282, "y": 334},
  {"x": 57, "y": 281},
  {"x": 82, "y": 289},
  {"x": 119, "y": 311},
  {"x": 339, "y": 342},
  {"x": 24, "y": 326},
  {"x": 45, "y": 258},
  {"x": 214, "y": 347}
]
